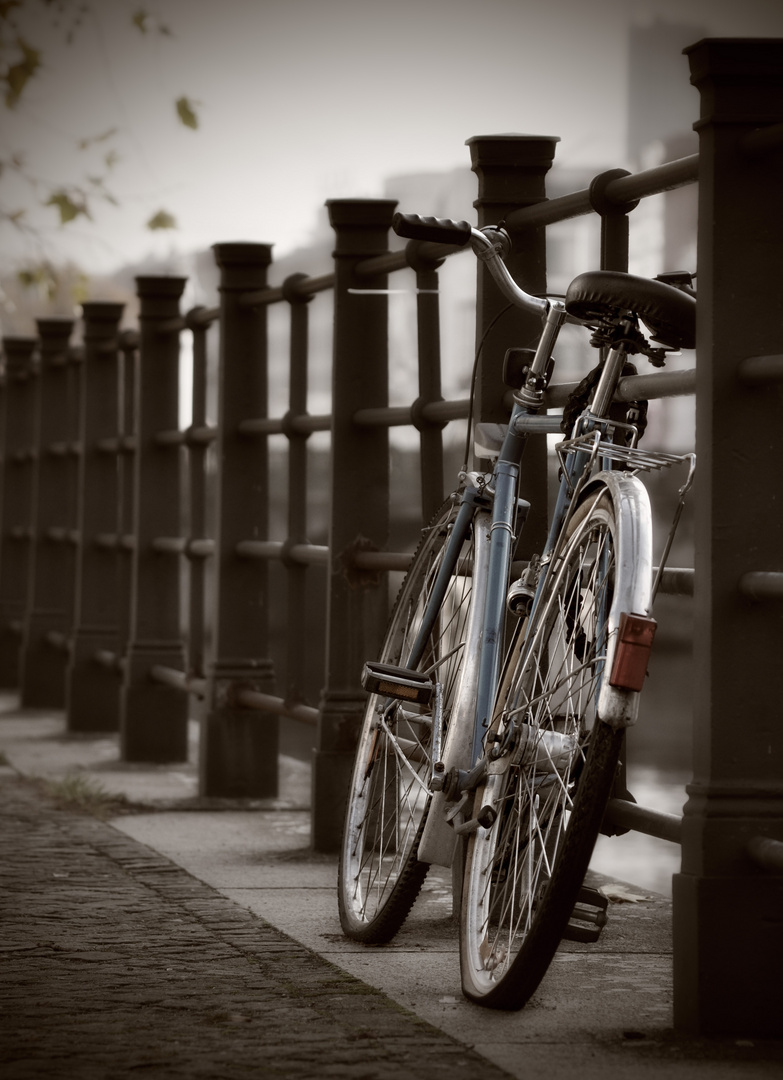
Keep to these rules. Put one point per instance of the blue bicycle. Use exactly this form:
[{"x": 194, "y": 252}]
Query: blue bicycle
[{"x": 497, "y": 707}]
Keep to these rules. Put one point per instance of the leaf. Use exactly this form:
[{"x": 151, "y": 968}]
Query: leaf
[
  {"x": 111, "y": 159},
  {"x": 84, "y": 144},
  {"x": 18, "y": 75},
  {"x": 41, "y": 276},
  {"x": 139, "y": 20},
  {"x": 162, "y": 220},
  {"x": 80, "y": 289},
  {"x": 67, "y": 207},
  {"x": 186, "y": 114}
]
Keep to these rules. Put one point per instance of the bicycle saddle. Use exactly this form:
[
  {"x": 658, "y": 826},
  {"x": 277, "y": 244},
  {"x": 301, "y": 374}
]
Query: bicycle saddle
[{"x": 669, "y": 313}]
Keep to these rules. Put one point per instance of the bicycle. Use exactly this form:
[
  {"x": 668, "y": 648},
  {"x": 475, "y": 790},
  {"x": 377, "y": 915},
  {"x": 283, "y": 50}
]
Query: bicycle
[{"x": 506, "y": 740}]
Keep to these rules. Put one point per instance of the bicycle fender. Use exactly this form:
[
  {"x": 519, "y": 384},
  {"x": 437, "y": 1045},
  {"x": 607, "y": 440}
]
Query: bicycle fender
[
  {"x": 618, "y": 707},
  {"x": 438, "y": 840}
]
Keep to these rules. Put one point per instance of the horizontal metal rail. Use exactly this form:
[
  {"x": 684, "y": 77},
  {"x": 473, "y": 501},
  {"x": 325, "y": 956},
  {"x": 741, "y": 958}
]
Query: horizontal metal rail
[
  {"x": 111, "y": 660},
  {"x": 434, "y": 412},
  {"x": 628, "y": 815},
  {"x": 651, "y": 386},
  {"x": 254, "y": 699},
  {"x": 762, "y": 584},
  {"x": 300, "y": 425},
  {"x": 399, "y": 260},
  {"x": 307, "y": 554},
  {"x": 250, "y": 699},
  {"x": 201, "y": 548},
  {"x": 761, "y": 369},
  {"x": 188, "y": 684},
  {"x": 767, "y": 853},
  {"x": 299, "y": 289},
  {"x": 58, "y": 640},
  {"x": 621, "y": 191},
  {"x": 676, "y": 580}
]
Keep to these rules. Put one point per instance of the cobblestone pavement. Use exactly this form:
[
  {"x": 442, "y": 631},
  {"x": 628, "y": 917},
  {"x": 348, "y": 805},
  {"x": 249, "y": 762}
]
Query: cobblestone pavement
[{"x": 116, "y": 963}]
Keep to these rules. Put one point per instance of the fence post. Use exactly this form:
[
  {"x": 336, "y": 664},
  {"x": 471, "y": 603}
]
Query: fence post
[
  {"x": 239, "y": 745},
  {"x": 154, "y": 717},
  {"x": 129, "y": 349},
  {"x": 357, "y": 608},
  {"x": 511, "y": 171},
  {"x": 92, "y": 690},
  {"x": 43, "y": 666},
  {"x": 18, "y": 495},
  {"x": 728, "y": 933}
]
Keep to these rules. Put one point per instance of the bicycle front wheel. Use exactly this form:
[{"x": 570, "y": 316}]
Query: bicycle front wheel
[
  {"x": 379, "y": 875},
  {"x": 550, "y": 785}
]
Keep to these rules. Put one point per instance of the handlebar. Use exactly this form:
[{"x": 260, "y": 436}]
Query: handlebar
[{"x": 489, "y": 245}]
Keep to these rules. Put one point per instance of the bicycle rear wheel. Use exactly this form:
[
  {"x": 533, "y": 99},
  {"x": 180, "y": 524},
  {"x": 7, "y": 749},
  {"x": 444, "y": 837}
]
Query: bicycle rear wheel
[
  {"x": 379, "y": 875},
  {"x": 550, "y": 786}
]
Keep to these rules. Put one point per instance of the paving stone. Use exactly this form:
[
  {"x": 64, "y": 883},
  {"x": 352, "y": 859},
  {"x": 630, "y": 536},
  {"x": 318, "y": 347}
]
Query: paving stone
[{"x": 117, "y": 963}]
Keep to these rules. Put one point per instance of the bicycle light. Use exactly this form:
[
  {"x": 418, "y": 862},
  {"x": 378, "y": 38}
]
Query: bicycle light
[{"x": 632, "y": 653}]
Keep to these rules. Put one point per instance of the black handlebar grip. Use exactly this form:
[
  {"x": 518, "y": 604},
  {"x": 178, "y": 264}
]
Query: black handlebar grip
[{"x": 437, "y": 230}]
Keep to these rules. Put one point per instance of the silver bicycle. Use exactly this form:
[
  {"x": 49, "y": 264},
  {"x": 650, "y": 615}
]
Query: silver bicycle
[{"x": 497, "y": 707}]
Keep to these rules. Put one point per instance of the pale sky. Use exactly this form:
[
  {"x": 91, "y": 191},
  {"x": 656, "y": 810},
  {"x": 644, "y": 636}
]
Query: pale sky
[{"x": 300, "y": 101}]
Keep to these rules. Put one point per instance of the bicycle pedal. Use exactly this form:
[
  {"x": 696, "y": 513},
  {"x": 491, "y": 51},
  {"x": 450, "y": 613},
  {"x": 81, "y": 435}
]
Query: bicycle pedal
[
  {"x": 588, "y": 917},
  {"x": 406, "y": 684}
]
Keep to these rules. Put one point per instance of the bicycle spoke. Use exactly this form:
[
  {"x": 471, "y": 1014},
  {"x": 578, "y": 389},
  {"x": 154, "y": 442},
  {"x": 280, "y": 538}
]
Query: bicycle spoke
[
  {"x": 513, "y": 910},
  {"x": 379, "y": 875}
]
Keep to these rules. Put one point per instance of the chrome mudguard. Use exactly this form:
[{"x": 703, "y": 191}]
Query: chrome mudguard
[
  {"x": 438, "y": 840},
  {"x": 633, "y": 581}
]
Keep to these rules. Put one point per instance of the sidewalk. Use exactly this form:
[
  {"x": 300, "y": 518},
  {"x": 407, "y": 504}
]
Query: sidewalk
[{"x": 193, "y": 938}]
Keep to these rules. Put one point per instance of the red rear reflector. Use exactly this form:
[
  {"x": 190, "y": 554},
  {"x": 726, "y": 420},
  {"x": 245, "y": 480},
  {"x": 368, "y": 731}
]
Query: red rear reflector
[{"x": 632, "y": 653}]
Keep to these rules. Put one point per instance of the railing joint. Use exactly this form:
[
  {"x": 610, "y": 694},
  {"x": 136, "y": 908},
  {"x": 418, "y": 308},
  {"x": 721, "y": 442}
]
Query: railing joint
[
  {"x": 759, "y": 585},
  {"x": 421, "y": 416},
  {"x": 766, "y": 853},
  {"x": 755, "y": 370},
  {"x": 601, "y": 202}
]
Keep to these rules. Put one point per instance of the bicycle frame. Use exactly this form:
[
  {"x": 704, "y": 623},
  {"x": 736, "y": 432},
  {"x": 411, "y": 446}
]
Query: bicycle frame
[{"x": 455, "y": 778}]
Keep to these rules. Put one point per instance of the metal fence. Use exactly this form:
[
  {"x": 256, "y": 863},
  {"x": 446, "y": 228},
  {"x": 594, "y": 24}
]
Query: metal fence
[{"x": 103, "y": 497}]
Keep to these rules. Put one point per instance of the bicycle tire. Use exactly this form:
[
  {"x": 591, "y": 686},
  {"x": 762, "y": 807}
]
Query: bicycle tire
[
  {"x": 379, "y": 875},
  {"x": 524, "y": 871}
]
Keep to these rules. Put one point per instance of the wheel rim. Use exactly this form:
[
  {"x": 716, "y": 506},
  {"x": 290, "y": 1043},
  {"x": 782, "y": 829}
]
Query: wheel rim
[
  {"x": 390, "y": 794},
  {"x": 551, "y": 704}
]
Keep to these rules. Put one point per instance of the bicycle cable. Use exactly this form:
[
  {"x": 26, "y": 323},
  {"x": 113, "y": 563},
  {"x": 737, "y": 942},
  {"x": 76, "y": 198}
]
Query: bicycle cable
[{"x": 474, "y": 373}]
